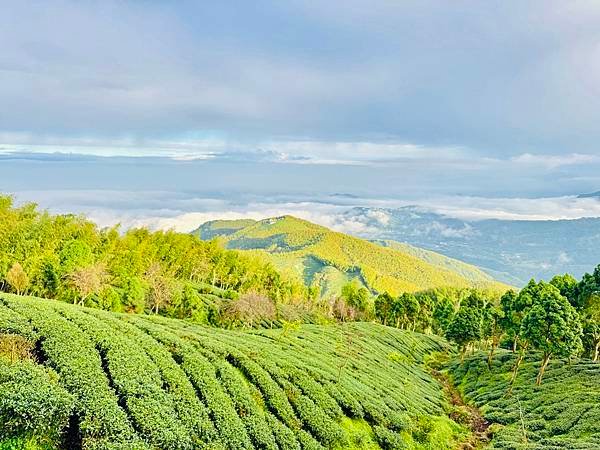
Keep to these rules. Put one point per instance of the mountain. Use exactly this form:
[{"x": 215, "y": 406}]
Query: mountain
[
  {"x": 329, "y": 259},
  {"x": 590, "y": 195},
  {"x": 73, "y": 378},
  {"x": 512, "y": 251}
]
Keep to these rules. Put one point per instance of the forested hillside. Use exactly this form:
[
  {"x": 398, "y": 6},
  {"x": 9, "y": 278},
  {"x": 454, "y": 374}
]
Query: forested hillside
[
  {"x": 326, "y": 260},
  {"x": 66, "y": 257},
  {"x": 73, "y": 377}
]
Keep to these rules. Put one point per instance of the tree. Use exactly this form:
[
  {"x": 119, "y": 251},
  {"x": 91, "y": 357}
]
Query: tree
[
  {"x": 75, "y": 253},
  {"x": 340, "y": 310},
  {"x": 133, "y": 293},
  {"x": 160, "y": 288},
  {"x": 17, "y": 278},
  {"x": 515, "y": 307},
  {"x": 493, "y": 329},
  {"x": 87, "y": 281},
  {"x": 552, "y": 326},
  {"x": 465, "y": 329},
  {"x": 397, "y": 312},
  {"x": 443, "y": 314},
  {"x": 591, "y": 337},
  {"x": 356, "y": 296},
  {"x": 567, "y": 286},
  {"x": 192, "y": 305},
  {"x": 48, "y": 279},
  {"x": 588, "y": 287},
  {"x": 511, "y": 317},
  {"x": 383, "y": 306},
  {"x": 587, "y": 294},
  {"x": 411, "y": 308}
]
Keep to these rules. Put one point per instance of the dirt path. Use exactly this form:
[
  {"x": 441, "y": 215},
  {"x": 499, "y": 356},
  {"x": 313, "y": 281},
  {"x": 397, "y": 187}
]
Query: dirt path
[{"x": 465, "y": 414}]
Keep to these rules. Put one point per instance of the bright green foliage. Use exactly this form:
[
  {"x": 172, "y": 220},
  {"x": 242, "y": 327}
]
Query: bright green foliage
[
  {"x": 552, "y": 326},
  {"x": 511, "y": 316},
  {"x": 588, "y": 287},
  {"x": 79, "y": 366},
  {"x": 356, "y": 296},
  {"x": 384, "y": 307},
  {"x": 405, "y": 310},
  {"x": 562, "y": 413},
  {"x": 32, "y": 404},
  {"x": 126, "y": 381},
  {"x": 315, "y": 253},
  {"x": 52, "y": 256},
  {"x": 472, "y": 323},
  {"x": 566, "y": 285},
  {"x": 465, "y": 328},
  {"x": 587, "y": 299}
]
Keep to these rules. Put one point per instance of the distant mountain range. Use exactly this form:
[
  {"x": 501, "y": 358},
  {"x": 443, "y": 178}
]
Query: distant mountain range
[
  {"x": 590, "y": 195},
  {"x": 329, "y": 259},
  {"x": 512, "y": 251}
]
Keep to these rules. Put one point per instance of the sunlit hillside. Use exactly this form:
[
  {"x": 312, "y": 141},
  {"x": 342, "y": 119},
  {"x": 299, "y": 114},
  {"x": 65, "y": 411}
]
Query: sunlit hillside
[{"x": 329, "y": 259}]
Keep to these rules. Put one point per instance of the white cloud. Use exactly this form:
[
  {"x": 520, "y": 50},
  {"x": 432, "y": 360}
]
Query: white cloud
[
  {"x": 554, "y": 161},
  {"x": 185, "y": 212},
  {"x": 478, "y": 208}
]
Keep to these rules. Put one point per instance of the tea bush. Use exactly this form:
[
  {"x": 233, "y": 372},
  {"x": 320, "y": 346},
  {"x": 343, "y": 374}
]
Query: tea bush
[
  {"x": 101, "y": 380},
  {"x": 562, "y": 413}
]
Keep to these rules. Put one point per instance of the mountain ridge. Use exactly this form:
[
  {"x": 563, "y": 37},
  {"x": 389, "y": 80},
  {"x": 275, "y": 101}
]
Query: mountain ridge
[{"x": 328, "y": 258}]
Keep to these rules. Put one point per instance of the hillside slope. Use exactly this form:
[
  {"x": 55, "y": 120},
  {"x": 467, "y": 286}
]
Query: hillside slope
[
  {"x": 562, "y": 413},
  {"x": 82, "y": 378},
  {"x": 329, "y": 259}
]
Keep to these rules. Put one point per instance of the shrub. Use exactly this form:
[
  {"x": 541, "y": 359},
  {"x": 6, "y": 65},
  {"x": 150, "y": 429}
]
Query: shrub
[{"x": 32, "y": 404}]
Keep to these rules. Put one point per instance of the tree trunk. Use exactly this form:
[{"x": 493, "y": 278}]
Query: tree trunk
[
  {"x": 491, "y": 356},
  {"x": 514, "y": 373},
  {"x": 596, "y": 351},
  {"x": 545, "y": 361},
  {"x": 514, "y": 346}
]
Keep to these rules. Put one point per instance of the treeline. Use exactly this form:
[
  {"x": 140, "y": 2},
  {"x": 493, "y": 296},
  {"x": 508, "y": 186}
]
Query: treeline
[
  {"x": 68, "y": 258},
  {"x": 559, "y": 318}
]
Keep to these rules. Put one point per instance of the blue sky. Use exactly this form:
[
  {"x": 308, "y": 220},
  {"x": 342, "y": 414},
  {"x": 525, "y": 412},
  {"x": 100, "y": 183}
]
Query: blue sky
[{"x": 385, "y": 100}]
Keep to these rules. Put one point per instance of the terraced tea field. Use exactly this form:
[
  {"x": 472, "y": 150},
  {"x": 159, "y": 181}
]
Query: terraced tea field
[
  {"x": 74, "y": 377},
  {"x": 562, "y": 413}
]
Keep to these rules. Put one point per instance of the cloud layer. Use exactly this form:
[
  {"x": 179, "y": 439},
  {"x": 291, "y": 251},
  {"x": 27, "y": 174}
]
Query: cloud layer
[{"x": 500, "y": 78}]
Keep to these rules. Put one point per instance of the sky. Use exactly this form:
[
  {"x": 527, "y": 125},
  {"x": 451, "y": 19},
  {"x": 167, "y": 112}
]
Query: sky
[{"x": 123, "y": 109}]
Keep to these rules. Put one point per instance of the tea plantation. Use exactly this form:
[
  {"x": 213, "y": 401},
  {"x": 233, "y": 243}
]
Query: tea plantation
[
  {"x": 72, "y": 377},
  {"x": 562, "y": 413}
]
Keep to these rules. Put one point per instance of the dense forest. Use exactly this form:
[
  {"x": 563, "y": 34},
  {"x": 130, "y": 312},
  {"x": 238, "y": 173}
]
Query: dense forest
[{"x": 66, "y": 257}]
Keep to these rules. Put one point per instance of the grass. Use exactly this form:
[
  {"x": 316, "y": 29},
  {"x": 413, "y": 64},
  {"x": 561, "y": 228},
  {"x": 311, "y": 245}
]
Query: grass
[
  {"x": 115, "y": 381},
  {"x": 329, "y": 259},
  {"x": 562, "y": 413}
]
